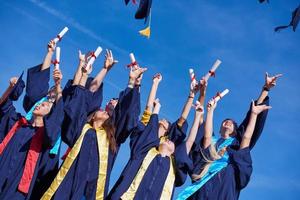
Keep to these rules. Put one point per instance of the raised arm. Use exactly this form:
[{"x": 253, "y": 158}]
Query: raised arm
[
  {"x": 152, "y": 95},
  {"x": 189, "y": 102},
  {"x": 57, "y": 77},
  {"x": 47, "y": 60},
  {"x": 5, "y": 95},
  {"x": 53, "y": 121},
  {"x": 208, "y": 128},
  {"x": 251, "y": 124},
  {"x": 270, "y": 82},
  {"x": 126, "y": 112},
  {"x": 78, "y": 73},
  {"x": 149, "y": 106},
  {"x": 109, "y": 62},
  {"x": 193, "y": 132},
  {"x": 263, "y": 98}
]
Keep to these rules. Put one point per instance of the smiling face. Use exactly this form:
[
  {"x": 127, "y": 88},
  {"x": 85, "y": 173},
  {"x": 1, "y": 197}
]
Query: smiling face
[
  {"x": 167, "y": 147},
  {"x": 228, "y": 127},
  {"x": 42, "y": 109},
  {"x": 100, "y": 115}
]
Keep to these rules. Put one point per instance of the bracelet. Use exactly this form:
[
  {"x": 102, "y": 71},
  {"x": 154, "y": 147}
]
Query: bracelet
[
  {"x": 191, "y": 97},
  {"x": 265, "y": 88}
]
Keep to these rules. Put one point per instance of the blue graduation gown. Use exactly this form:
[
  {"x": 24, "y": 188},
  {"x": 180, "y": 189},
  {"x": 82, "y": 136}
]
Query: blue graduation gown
[
  {"x": 93, "y": 99},
  {"x": 142, "y": 140},
  {"x": 81, "y": 179},
  {"x": 228, "y": 183},
  {"x": 37, "y": 86},
  {"x": 12, "y": 159},
  {"x": 7, "y": 112}
]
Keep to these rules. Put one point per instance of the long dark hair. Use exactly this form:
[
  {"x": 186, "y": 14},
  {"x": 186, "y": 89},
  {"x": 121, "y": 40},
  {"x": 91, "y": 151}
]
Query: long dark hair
[{"x": 110, "y": 130}]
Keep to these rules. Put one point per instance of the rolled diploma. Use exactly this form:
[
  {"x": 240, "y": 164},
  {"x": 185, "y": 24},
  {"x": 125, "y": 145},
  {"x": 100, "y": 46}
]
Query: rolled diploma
[
  {"x": 213, "y": 69},
  {"x": 222, "y": 94},
  {"x": 132, "y": 59},
  {"x": 57, "y": 54},
  {"x": 61, "y": 34},
  {"x": 92, "y": 59},
  {"x": 192, "y": 75}
]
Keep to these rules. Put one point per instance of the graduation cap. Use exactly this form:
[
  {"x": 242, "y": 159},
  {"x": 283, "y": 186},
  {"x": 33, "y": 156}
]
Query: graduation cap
[
  {"x": 144, "y": 12},
  {"x": 294, "y": 22},
  {"x": 144, "y": 9},
  {"x": 261, "y": 1},
  {"x": 17, "y": 89},
  {"x": 127, "y": 1}
]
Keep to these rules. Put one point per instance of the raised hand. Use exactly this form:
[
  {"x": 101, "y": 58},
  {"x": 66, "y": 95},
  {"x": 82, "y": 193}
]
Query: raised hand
[
  {"x": 211, "y": 105},
  {"x": 82, "y": 57},
  {"x": 51, "y": 46},
  {"x": 57, "y": 76},
  {"x": 157, "y": 78},
  {"x": 270, "y": 81},
  {"x": 199, "y": 108},
  {"x": 259, "y": 108},
  {"x": 13, "y": 81},
  {"x": 134, "y": 74},
  {"x": 109, "y": 61},
  {"x": 202, "y": 85},
  {"x": 157, "y": 106}
]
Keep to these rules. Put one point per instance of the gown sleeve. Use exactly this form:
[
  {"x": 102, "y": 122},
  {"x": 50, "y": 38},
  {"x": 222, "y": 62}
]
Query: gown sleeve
[
  {"x": 94, "y": 99},
  {"x": 241, "y": 159},
  {"x": 8, "y": 114},
  {"x": 37, "y": 86},
  {"x": 259, "y": 125},
  {"x": 18, "y": 89},
  {"x": 141, "y": 142},
  {"x": 52, "y": 123},
  {"x": 75, "y": 115},
  {"x": 177, "y": 134},
  {"x": 126, "y": 113},
  {"x": 183, "y": 164}
]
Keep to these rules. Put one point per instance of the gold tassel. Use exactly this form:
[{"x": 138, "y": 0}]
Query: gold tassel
[{"x": 145, "y": 32}]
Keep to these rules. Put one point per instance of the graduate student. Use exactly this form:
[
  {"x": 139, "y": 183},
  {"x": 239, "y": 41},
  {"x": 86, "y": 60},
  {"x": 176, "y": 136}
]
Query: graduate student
[
  {"x": 94, "y": 137},
  {"x": 27, "y": 144},
  {"x": 37, "y": 92},
  {"x": 151, "y": 172},
  {"x": 223, "y": 166}
]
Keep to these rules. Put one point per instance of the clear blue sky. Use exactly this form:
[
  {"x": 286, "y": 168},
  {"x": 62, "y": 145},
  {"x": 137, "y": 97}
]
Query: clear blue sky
[{"x": 184, "y": 34}]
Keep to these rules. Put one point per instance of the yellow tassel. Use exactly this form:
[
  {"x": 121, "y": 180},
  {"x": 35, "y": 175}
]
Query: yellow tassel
[{"x": 145, "y": 32}]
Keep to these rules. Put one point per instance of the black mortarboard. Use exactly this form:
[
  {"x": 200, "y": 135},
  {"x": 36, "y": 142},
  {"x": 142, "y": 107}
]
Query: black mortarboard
[
  {"x": 127, "y": 1},
  {"x": 17, "y": 89},
  {"x": 294, "y": 22},
  {"x": 261, "y": 1},
  {"x": 143, "y": 10}
]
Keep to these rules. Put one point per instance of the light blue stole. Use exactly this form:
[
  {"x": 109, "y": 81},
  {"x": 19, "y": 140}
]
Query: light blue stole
[
  {"x": 28, "y": 117},
  {"x": 214, "y": 168}
]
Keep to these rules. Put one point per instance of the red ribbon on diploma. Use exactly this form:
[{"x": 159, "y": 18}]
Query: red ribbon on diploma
[
  {"x": 132, "y": 64},
  {"x": 212, "y": 73}
]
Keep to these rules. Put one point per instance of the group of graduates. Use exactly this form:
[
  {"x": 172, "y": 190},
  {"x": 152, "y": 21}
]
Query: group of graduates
[{"x": 161, "y": 156}]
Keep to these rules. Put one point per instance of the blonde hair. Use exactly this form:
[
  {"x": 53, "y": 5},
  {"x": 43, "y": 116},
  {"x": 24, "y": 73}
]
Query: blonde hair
[{"x": 213, "y": 155}]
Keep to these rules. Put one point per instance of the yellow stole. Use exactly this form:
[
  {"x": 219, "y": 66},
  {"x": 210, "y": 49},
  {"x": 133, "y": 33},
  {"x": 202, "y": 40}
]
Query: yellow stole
[
  {"x": 169, "y": 183},
  {"x": 103, "y": 148}
]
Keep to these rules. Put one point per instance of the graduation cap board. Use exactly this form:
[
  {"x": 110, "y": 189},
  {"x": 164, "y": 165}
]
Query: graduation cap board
[
  {"x": 262, "y": 1},
  {"x": 143, "y": 12},
  {"x": 294, "y": 21}
]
